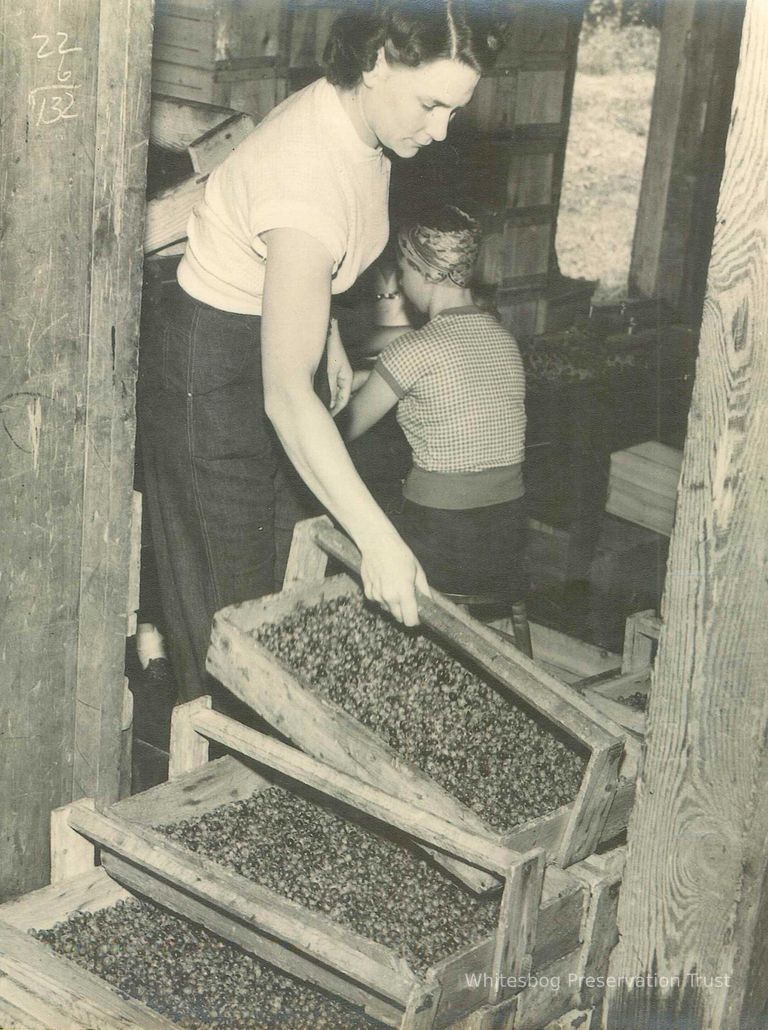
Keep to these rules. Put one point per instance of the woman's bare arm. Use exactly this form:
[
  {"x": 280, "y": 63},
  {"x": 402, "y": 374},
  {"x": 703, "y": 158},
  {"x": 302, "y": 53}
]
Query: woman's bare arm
[
  {"x": 295, "y": 315},
  {"x": 371, "y": 403}
]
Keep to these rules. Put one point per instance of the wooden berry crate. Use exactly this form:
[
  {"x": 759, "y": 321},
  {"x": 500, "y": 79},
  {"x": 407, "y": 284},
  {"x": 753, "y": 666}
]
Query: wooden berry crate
[
  {"x": 286, "y": 701},
  {"x": 553, "y": 923}
]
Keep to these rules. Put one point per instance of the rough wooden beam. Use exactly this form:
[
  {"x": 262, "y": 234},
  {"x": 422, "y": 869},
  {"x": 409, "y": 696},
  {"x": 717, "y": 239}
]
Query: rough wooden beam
[
  {"x": 684, "y": 158},
  {"x": 119, "y": 174},
  {"x": 694, "y": 903},
  {"x": 188, "y": 748}
]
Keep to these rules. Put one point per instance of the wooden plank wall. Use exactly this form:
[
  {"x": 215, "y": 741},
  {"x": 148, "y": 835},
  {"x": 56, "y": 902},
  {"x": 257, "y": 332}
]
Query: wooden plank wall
[
  {"x": 74, "y": 98},
  {"x": 694, "y": 905},
  {"x": 698, "y": 54}
]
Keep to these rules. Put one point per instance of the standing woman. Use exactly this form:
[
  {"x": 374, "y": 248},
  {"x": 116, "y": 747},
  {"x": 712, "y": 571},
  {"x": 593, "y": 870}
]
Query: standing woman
[{"x": 291, "y": 217}]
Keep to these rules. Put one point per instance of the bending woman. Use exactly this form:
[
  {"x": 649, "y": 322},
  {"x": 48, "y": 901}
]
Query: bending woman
[{"x": 293, "y": 216}]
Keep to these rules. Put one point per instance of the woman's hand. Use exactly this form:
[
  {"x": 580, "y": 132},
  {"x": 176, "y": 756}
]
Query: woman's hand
[
  {"x": 292, "y": 339},
  {"x": 391, "y": 576},
  {"x": 339, "y": 370}
]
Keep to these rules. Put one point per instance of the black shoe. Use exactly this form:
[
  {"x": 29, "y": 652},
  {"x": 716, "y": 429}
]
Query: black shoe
[{"x": 158, "y": 672}]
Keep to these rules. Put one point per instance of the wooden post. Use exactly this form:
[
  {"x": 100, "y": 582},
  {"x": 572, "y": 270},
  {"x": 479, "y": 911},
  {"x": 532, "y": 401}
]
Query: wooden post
[
  {"x": 188, "y": 749},
  {"x": 684, "y": 157},
  {"x": 74, "y": 112},
  {"x": 640, "y": 633},
  {"x": 71, "y": 853},
  {"x": 422, "y": 1005},
  {"x": 516, "y": 934},
  {"x": 693, "y": 911}
]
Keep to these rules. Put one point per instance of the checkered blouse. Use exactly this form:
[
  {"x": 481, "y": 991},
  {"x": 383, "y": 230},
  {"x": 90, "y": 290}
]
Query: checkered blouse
[{"x": 461, "y": 386}]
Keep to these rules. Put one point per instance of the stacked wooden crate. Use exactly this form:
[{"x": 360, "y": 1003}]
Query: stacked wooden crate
[
  {"x": 555, "y": 931},
  {"x": 513, "y": 137},
  {"x": 642, "y": 487},
  {"x": 556, "y": 926},
  {"x": 224, "y": 53}
]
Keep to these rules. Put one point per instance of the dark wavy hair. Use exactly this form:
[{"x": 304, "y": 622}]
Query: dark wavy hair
[{"x": 412, "y": 32}]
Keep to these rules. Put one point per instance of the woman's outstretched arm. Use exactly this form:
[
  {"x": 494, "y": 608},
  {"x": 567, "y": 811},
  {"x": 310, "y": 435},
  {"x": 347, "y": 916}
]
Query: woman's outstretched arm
[{"x": 295, "y": 315}]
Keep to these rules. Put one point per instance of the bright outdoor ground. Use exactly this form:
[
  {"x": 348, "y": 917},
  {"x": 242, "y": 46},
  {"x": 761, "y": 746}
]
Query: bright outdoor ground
[{"x": 606, "y": 151}]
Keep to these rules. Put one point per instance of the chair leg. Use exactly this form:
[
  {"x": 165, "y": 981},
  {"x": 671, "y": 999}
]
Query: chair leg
[{"x": 521, "y": 628}]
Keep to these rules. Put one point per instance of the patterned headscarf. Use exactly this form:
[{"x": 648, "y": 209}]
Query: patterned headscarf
[{"x": 442, "y": 254}]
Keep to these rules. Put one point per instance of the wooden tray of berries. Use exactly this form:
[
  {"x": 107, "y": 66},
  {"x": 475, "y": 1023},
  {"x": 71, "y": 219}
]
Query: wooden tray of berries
[
  {"x": 538, "y": 927},
  {"x": 349, "y": 686}
]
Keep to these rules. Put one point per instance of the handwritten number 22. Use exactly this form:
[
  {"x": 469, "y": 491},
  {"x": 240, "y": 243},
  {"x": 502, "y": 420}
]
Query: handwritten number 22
[{"x": 48, "y": 49}]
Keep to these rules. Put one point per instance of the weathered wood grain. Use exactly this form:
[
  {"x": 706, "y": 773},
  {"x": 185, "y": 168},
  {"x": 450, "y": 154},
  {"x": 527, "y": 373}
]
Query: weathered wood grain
[
  {"x": 73, "y": 79},
  {"x": 684, "y": 159},
  {"x": 188, "y": 749},
  {"x": 176, "y": 123},
  {"x": 694, "y": 899},
  {"x": 120, "y": 144}
]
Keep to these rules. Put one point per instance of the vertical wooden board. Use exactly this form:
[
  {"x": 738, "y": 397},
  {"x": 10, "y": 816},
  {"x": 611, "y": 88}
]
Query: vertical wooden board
[
  {"x": 71, "y": 854},
  {"x": 689, "y": 121},
  {"x": 422, "y": 1005},
  {"x": 526, "y": 250},
  {"x": 516, "y": 932},
  {"x": 550, "y": 994},
  {"x": 47, "y": 111},
  {"x": 490, "y": 259},
  {"x": 540, "y": 96},
  {"x": 188, "y": 749},
  {"x": 134, "y": 563},
  {"x": 592, "y": 805},
  {"x": 529, "y": 179},
  {"x": 638, "y": 645},
  {"x": 492, "y": 107},
  {"x": 307, "y": 562},
  {"x": 694, "y": 886},
  {"x": 120, "y": 146}
]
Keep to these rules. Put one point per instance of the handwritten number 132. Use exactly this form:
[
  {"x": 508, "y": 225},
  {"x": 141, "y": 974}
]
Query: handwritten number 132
[{"x": 55, "y": 106}]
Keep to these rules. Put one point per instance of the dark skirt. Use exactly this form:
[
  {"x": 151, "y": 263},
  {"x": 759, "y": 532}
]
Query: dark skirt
[
  {"x": 478, "y": 551},
  {"x": 221, "y": 495}
]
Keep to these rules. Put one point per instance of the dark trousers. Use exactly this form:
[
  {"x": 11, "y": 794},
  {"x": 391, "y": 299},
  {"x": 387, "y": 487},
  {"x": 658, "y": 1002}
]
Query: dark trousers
[
  {"x": 479, "y": 551},
  {"x": 221, "y": 494}
]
